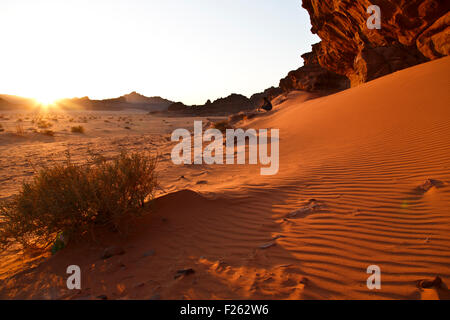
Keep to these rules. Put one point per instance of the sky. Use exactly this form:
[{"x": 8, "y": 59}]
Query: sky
[{"x": 182, "y": 50}]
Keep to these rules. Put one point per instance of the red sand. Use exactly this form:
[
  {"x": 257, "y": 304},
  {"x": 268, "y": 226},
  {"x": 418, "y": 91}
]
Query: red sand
[{"x": 360, "y": 154}]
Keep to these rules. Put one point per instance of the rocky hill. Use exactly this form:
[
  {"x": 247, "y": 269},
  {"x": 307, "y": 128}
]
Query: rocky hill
[{"x": 129, "y": 101}]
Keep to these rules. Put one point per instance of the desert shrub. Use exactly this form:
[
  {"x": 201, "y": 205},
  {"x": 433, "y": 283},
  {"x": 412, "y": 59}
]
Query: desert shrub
[
  {"x": 71, "y": 199},
  {"x": 1, "y": 128},
  {"x": 77, "y": 129},
  {"x": 19, "y": 129},
  {"x": 222, "y": 126},
  {"x": 42, "y": 124},
  {"x": 50, "y": 133},
  {"x": 128, "y": 128}
]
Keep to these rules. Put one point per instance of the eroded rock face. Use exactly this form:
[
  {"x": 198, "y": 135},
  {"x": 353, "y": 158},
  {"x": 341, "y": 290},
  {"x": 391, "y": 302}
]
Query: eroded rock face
[
  {"x": 313, "y": 77},
  {"x": 412, "y": 32}
]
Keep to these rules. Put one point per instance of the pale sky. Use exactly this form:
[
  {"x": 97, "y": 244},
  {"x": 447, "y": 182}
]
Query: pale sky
[{"x": 182, "y": 50}]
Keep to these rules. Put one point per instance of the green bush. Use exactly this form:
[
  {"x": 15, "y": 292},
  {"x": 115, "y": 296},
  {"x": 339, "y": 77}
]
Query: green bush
[{"x": 72, "y": 199}]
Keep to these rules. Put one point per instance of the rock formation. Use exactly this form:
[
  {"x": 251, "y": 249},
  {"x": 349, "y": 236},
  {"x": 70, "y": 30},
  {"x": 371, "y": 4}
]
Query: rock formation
[
  {"x": 412, "y": 32},
  {"x": 312, "y": 77},
  {"x": 232, "y": 104},
  {"x": 222, "y": 106}
]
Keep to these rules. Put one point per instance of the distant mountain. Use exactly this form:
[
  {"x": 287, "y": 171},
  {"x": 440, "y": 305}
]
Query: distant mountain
[
  {"x": 138, "y": 98},
  {"x": 10, "y": 102},
  {"x": 132, "y": 100}
]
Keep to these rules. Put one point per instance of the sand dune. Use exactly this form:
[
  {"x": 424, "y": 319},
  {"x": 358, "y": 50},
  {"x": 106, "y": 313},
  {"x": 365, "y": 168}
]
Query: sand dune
[{"x": 346, "y": 197}]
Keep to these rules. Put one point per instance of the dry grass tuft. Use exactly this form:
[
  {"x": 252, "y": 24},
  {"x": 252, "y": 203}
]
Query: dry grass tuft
[
  {"x": 50, "y": 133},
  {"x": 19, "y": 129},
  {"x": 42, "y": 124},
  {"x": 77, "y": 129},
  {"x": 71, "y": 199}
]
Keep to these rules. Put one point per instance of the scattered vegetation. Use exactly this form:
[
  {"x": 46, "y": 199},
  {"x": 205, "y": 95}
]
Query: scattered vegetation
[
  {"x": 42, "y": 124},
  {"x": 222, "y": 125},
  {"x": 77, "y": 129},
  {"x": 72, "y": 199}
]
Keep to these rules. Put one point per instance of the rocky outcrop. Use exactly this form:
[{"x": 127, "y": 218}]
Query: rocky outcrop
[
  {"x": 434, "y": 42},
  {"x": 232, "y": 104},
  {"x": 178, "y": 107},
  {"x": 313, "y": 77},
  {"x": 222, "y": 106},
  {"x": 257, "y": 100},
  {"x": 412, "y": 32}
]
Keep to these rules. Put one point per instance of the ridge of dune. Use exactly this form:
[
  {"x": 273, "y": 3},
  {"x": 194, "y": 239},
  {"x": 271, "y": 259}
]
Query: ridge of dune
[{"x": 346, "y": 197}]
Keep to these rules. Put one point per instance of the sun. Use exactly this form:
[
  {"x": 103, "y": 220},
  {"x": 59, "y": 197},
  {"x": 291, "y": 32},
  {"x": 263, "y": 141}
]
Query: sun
[{"x": 45, "y": 100}]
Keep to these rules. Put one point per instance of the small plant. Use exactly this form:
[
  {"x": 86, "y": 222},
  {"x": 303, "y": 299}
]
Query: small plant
[
  {"x": 1, "y": 128},
  {"x": 222, "y": 126},
  {"x": 72, "y": 199},
  {"x": 42, "y": 124},
  {"x": 19, "y": 129},
  {"x": 77, "y": 129},
  {"x": 128, "y": 128},
  {"x": 47, "y": 132}
]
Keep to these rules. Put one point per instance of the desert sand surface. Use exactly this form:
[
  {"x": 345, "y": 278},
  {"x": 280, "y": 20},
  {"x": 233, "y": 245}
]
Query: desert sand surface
[{"x": 347, "y": 196}]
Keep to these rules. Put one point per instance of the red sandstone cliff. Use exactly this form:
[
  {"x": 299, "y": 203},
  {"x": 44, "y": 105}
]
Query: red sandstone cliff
[{"x": 412, "y": 32}]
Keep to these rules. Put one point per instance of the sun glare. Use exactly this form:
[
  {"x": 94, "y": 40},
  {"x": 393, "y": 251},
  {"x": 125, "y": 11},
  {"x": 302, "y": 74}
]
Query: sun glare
[{"x": 45, "y": 100}]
